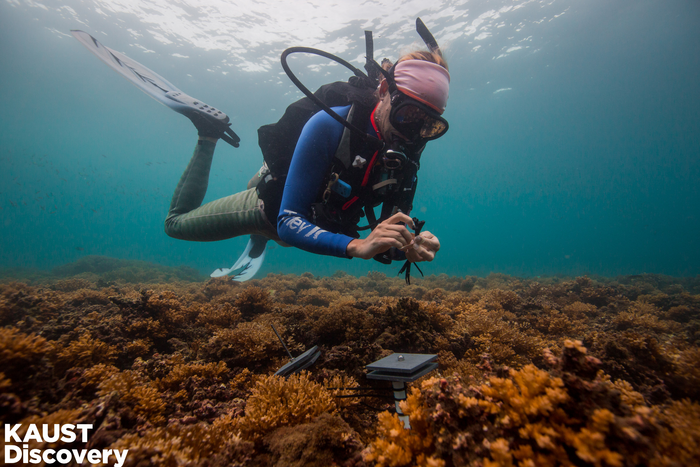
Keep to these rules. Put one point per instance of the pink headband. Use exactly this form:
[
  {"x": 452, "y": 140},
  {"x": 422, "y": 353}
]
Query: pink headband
[{"x": 423, "y": 81}]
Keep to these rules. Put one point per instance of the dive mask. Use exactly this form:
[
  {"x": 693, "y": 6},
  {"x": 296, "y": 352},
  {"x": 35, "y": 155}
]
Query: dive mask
[{"x": 415, "y": 120}]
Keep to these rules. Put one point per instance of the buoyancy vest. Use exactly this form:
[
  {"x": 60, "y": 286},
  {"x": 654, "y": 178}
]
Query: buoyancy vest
[
  {"x": 351, "y": 188},
  {"x": 358, "y": 181}
]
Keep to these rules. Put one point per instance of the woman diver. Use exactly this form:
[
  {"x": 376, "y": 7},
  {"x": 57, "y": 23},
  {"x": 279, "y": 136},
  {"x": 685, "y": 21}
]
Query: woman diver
[
  {"x": 324, "y": 170},
  {"x": 311, "y": 215}
]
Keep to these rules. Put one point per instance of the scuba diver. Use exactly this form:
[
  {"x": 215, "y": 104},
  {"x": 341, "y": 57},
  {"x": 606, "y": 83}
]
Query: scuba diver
[{"x": 333, "y": 157}]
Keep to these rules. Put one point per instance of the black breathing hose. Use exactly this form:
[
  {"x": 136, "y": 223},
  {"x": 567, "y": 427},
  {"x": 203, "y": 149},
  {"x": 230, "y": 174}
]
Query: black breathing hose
[{"x": 363, "y": 134}]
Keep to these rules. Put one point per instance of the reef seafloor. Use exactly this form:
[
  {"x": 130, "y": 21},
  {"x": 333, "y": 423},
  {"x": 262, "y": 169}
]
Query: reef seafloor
[{"x": 178, "y": 369}]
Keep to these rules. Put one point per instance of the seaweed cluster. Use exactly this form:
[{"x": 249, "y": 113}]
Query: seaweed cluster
[
  {"x": 569, "y": 415},
  {"x": 556, "y": 371}
]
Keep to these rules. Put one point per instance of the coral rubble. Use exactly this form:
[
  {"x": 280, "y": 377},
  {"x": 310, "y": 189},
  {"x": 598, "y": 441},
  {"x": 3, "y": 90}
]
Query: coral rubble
[{"x": 553, "y": 371}]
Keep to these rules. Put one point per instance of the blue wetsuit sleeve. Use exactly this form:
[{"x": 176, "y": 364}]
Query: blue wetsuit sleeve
[{"x": 313, "y": 155}]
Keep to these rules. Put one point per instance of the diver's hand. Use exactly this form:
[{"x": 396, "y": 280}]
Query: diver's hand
[
  {"x": 422, "y": 248},
  {"x": 389, "y": 234}
]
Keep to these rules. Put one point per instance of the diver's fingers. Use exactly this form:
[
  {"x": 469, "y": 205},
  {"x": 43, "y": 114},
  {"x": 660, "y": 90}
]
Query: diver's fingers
[
  {"x": 369, "y": 247},
  {"x": 399, "y": 217},
  {"x": 416, "y": 256},
  {"x": 429, "y": 241},
  {"x": 418, "y": 253},
  {"x": 398, "y": 231},
  {"x": 382, "y": 238},
  {"x": 422, "y": 248}
]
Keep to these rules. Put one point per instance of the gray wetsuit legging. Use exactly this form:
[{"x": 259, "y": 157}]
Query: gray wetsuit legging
[{"x": 238, "y": 214}]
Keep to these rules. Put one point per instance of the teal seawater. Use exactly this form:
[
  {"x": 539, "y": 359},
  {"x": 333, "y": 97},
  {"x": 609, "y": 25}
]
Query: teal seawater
[{"x": 580, "y": 155}]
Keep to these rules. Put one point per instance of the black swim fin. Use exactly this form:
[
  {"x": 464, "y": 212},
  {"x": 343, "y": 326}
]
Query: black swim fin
[{"x": 208, "y": 120}]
